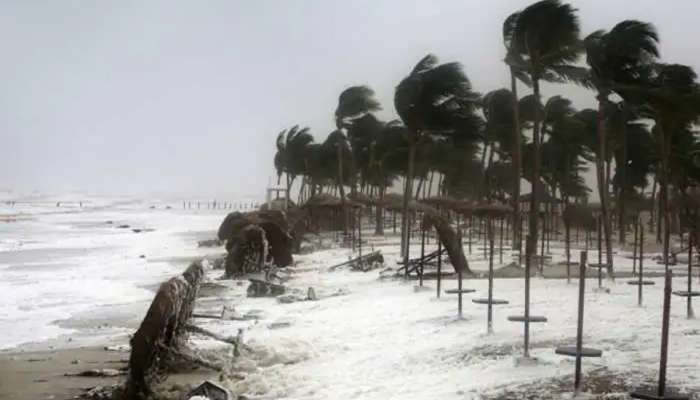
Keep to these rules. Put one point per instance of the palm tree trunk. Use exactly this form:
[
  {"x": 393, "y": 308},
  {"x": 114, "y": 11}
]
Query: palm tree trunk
[
  {"x": 653, "y": 200},
  {"x": 535, "y": 179},
  {"x": 286, "y": 199},
  {"x": 343, "y": 202},
  {"x": 406, "y": 197},
  {"x": 623, "y": 181},
  {"x": 663, "y": 181},
  {"x": 603, "y": 183},
  {"x": 379, "y": 226},
  {"x": 517, "y": 167},
  {"x": 418, "y": 188},
  {"x": 430, "y": 183}
]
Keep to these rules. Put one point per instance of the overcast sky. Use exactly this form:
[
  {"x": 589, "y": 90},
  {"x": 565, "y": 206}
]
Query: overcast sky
[{"x": 188, "y": 96}]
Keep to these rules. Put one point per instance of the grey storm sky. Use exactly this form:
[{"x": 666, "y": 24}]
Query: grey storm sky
[{"x": 188, "y": 96}]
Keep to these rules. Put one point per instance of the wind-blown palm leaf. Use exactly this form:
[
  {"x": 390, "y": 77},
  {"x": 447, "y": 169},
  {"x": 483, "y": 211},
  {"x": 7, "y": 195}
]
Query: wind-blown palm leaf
[{"x": 354, "y": 102}]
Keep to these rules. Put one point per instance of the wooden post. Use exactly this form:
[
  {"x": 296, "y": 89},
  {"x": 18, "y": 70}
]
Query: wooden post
[
  {"x": 422, "y": 255},
  {"x": 579, "y": 326},
  {"x": 568, "y": 251},
  {"x": 690, "y": 276},
  {"x": 526, "y": 346},
  {"x": 490, "y": 305},
  {"x": 664, "y": 334},
  {"x": 641, "y": 266},
  {"x": 500, "y": 249},
  {"x": 542, "y": 244},
  {"x": 485, "y": 223},
  {"x": 459, "y": 288},
  {"x": 600, "y": 252},
  {"x": 634, "y": 251},
  {"x": 469, "y": 233},
  {"x": 439, "y": 263},
  {"x": 359, "y": 232}
]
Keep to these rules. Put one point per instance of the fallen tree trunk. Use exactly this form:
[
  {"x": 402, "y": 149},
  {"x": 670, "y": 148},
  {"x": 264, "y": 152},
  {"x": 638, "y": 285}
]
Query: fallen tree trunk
[
  {"x": 449, "y": 239},
  {"x": 162, "y": 330}
]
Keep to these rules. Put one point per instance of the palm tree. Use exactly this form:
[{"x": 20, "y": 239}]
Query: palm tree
[
  {"x": 518, "y": 71},
  {"x": 616, "y": 57},
  {"x": 291, "y": 154},
  {"x": 546, "y": 38},
  {"x": 387, "y": 161},
  {"x": 354, "y": 102},
  {"x": 433, "y": 100},
  {"x": 674, "y": 96},
  {"x": 498, "y": 132}
]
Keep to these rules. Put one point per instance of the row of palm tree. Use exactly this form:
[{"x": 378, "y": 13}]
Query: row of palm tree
[{"x": 477, "y": 146}]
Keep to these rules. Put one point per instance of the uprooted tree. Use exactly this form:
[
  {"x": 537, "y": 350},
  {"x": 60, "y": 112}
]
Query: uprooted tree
[
  {"x": 255, "y": 238},
  {"x": 450, "y": 239},
  {"x": 163, "y": 332}
]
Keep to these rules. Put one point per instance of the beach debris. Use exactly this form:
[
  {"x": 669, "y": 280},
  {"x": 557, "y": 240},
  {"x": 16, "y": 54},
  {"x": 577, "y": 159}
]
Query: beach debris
[
  {"x": 373, "y": 260},
  {"x": 101, "y": 393},
  {"x": 450, "y": 239},
  {"x": 119, "y": 347},
  {"x": 210, "y": 243},
  {"x": 261, "y": 288},
  {"x": 208, "y": 390},
  {"x": 161, "y": 337},
  {"x": 311, "y": 294},
  {"x": 278, "y": 325},
  {"x": 98, "y": 373}
]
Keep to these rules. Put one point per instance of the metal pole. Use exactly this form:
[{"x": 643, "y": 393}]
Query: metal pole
[
  {"x": 490, "y": 305},
  {"x": 664, "y": 334},
  {"x": 526, "y": 351},
  {"x": 579, "y": 326}
]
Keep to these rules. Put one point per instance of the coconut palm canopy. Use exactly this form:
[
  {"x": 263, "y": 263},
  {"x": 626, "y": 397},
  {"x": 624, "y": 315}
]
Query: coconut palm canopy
[{"x": 456, "y": 149}]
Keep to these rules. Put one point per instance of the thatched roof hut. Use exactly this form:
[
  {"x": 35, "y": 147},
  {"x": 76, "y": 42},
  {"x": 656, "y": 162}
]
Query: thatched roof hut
[
  {"x": 492, "y": 209},
  {"x": 325, "y": 200}
]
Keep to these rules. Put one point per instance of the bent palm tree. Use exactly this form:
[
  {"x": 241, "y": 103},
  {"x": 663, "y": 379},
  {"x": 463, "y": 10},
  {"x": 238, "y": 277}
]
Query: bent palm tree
[
  {"x": 546, "y": 38},
  {"x": 433, "y": 100},
  {"x": 291, "y": 154},
  {"x": 516, "y": 67},
  {"x": 616, "y": 57},
  {"x": 354, "y": 102}
]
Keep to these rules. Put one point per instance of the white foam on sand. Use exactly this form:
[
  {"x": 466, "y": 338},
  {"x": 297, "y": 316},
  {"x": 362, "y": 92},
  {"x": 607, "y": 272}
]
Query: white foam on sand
[{"x": 382, "y": 339}]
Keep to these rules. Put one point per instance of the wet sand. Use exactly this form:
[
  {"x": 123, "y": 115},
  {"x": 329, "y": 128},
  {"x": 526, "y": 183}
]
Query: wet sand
[{"x": 35, "y": 375}]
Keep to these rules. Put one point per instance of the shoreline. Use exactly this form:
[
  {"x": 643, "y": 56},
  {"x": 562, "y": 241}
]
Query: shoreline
[{"x": 48, "y": 374}]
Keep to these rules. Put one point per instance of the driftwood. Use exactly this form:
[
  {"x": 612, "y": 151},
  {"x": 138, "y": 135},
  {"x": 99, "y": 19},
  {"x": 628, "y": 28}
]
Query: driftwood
[
  {"x": 373, "y": 257},
  {"x": 163, "y": 331},
  {"x": 450, "y": 239},
  {"x": 260, "y": 288},
  {"x": 414, "y": 263}
]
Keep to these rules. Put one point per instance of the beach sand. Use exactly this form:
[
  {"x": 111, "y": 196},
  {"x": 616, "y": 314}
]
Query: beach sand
[{"x": 34, "y": 375}]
